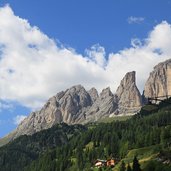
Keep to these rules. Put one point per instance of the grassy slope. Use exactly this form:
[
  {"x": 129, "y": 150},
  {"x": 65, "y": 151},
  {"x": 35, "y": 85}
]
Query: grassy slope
[
  {"x": 6, "y": 139},
  {"x": 144, "y": 155},
  {"x": 115, "y": 118}
]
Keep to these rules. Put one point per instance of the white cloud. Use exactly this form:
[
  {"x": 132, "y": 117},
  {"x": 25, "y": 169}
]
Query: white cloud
[
  {"x": 160, "y": 38},
  {"x": 136, "y": 43},
  {"x": 18, "y": 119},
  {"x": 33, "y": 67},
  {"x": 4, "y": 106},
  {"x": 97, "y": 55},
  {"x": 136, "y": 20}
]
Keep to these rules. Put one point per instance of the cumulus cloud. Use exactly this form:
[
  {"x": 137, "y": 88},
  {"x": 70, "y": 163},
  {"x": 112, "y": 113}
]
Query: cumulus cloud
[
  {"x": 135, "y": 20},
  {"x": 160, "y": 38},
  {"x": 4, "y": 106},
  {"x": 18, "y": 119},
  {"x": 97, "y": 55},
  {"x": 34, "y": 67}
]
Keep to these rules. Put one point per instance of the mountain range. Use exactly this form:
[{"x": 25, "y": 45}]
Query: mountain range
[
  {"x": 64, "y": 147},
  {"x": 76, "y": 105}
]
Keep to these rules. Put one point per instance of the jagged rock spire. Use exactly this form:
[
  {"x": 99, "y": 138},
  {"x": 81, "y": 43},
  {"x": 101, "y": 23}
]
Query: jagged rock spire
[
  {"x": 128, "y": 94},
  {"x": 159, "y": 81}
]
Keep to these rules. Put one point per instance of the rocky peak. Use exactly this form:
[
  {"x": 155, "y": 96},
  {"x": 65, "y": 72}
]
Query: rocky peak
[
  {"x": 106, "y": 93},
  {"x": 93, "y": 94},
  {"x": 67, "y": 106},
  {"x": 78, "y": 95},
  {"x": 72, "y": 104},
  {"x": 128, "y": 94},
  {"x": 104, "y": 105},
  {"x": 125, "y": 84},
  {"x": 159, "y": 81}
]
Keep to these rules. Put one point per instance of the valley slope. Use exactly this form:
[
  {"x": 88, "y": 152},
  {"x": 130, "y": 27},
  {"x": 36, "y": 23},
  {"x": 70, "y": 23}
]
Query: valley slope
[{"x": 75, "y": 147}]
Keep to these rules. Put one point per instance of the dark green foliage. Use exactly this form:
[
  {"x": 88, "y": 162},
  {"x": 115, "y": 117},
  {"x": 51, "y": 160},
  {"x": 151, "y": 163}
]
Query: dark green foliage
[
  {"x": 136, "y": 165},
  {"x": 79, "y": 156},
  {"x": 128, "y": 168},
  {"x": 122, "y": 167},
  {"x": 74, "y": 148},
  {"x": 115, "y": 139},
  {"x": 156, "y": 166},
  {"x": 23, "y": 150}
]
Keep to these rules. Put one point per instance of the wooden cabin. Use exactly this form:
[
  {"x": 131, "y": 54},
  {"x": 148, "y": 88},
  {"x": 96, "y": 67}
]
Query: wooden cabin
[
  {"x": 111, "y": 163},
  {"x": 100, "y": 163}
]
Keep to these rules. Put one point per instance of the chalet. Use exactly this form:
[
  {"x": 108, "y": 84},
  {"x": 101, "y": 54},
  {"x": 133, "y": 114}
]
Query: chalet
[
  {"x": 100, "y": 163},
  {"x": 108, "y": 163},
  {"x": 111, "y": 163}
]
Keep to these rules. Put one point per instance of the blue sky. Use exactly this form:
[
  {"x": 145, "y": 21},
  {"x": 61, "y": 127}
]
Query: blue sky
[
  {"x": 48, "y": 43},
  {"x": 80, "y": 23}
]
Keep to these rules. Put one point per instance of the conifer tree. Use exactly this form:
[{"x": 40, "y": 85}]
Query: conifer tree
[
  {"x": 122, "y": 167},
  {"x": 129, "y": 167},
  {"x": 136, "y": 165}
]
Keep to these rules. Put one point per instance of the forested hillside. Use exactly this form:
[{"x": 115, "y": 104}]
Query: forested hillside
[
  {"x": 145, "y": 138},
  {"x": 20, "y": 152}
]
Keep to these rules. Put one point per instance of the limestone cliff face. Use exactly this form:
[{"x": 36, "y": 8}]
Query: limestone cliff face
[
  {"x": 159, "y": 81},
  {"x": 104, "y": 105},
  {"x": 93, "y": 94},
  {"x": 67, "y": 106},
  {"x": 76, "y": 105},
  {"x": 128, "y": 95},
  {"x": 72, "y": 104}
]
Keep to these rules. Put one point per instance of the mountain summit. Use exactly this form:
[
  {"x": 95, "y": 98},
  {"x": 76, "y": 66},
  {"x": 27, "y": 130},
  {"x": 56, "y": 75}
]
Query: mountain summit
[
  {"x": 129, "y": 97},
  {"x": 159, "y": 81}
]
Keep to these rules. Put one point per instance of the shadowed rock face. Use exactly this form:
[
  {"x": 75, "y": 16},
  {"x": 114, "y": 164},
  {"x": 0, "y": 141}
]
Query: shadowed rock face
[
  {"x": 104, "y": 105},
  {"x": 93, "y": 94},
  {"x": 128, "y": 95},
  {"x": 72, "y": 104},
  {"x": 159, "y": 81},
  {"x": 67, "y": 106}
]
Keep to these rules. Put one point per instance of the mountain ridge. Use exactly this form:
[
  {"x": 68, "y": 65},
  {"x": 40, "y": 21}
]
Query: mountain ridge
[{"x": 79, "y": 106}]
